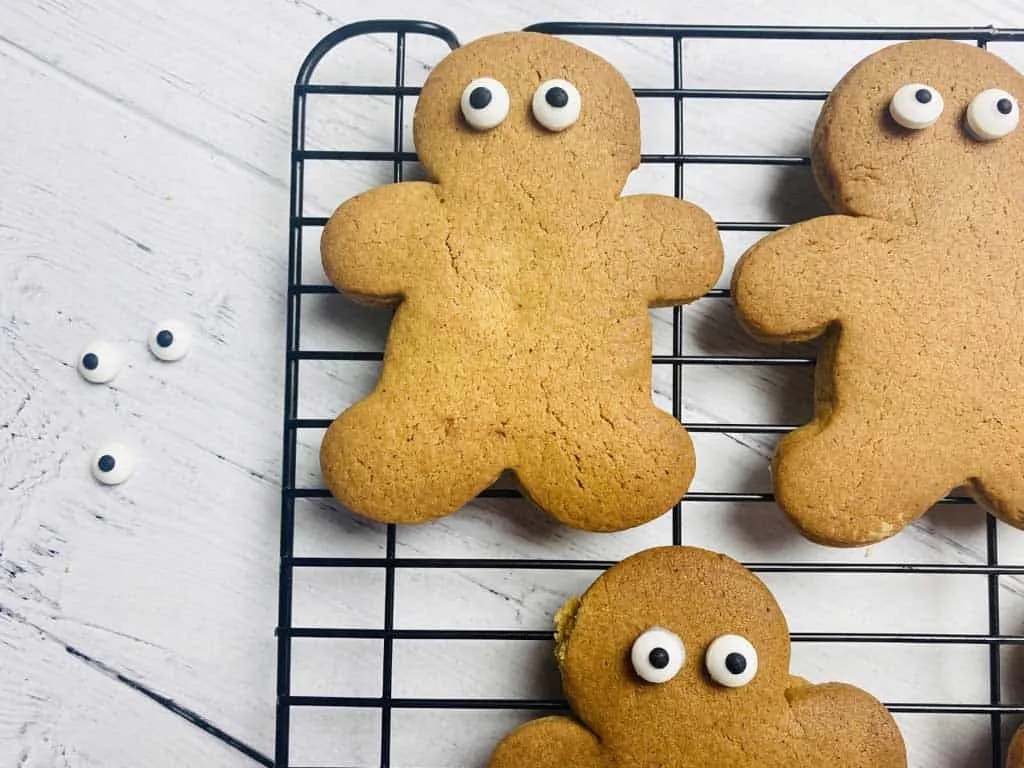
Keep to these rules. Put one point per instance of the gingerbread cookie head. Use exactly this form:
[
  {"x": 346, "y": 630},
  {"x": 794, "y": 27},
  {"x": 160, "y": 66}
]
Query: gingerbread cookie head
[
  {"x": 528, "y": 114},
  {"x": 922, "y": 133},
  {"x": 679, "y": 656},
  {"x": 671, "y": 635}
]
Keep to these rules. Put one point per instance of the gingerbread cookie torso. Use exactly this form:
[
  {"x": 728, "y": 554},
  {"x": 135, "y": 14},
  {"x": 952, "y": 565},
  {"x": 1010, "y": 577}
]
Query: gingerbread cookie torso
[
  {"x": 522, "y": 280},
  {"x": 679, "y": 658},
  {"x": 918, "y": 286}
]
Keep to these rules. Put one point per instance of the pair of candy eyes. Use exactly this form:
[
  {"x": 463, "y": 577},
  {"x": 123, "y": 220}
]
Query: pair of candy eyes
[
  {"x": 658, "y": 655},
  {"x": 485, "y": 104},
  {"x": 100, "y": 362},
  {"x": 992, "y": 114}
]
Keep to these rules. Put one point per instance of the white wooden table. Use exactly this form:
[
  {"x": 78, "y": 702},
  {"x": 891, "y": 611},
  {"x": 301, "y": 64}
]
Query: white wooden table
[{"x": 144, "y": 173}]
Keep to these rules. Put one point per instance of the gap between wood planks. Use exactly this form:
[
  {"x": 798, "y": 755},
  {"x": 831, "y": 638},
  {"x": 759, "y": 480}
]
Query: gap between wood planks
[{"x": 167, "y": 703}]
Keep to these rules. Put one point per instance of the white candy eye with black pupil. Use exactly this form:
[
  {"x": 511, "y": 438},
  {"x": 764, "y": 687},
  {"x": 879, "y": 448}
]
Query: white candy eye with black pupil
[
  {"x": 484, "y": 104},
  {"x": 916, "y": 106},
  {"x": 112, "y": 464},
  {"x": 992, "y": 114},
  {"x": 169, "y": 341},
  {"x": 556, "y": 104},
  {"x": 731, "y": 661},
  {"x": 657, "y": 655},
  {"x": 99, "y": 363}
]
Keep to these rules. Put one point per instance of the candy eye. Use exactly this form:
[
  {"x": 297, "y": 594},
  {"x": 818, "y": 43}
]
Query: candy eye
[
  {"x": 484, "y": 104},
  {"x": 657, "y": 655},
  {"x": 169, "y": 341},
  {"x": 556, "y": 104},
  {"x": 731, "y": 661},
  {"x": 992, "y": 114},
  {"x": 99, "y": 363},
  {"x": 112, "y": 464},
  {"x": 916, "y": 106}
]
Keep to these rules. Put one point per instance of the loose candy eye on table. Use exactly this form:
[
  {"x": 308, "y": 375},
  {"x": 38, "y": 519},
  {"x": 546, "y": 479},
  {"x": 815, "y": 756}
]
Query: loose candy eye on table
[
  {"x": 112, "y": 464},
  {"x": 99, "y": 363},
  {"x": 169, "y": 341}
]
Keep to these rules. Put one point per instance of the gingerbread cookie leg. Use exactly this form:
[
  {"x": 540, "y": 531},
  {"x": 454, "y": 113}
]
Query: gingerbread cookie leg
[
  {"x": 551, "y": 742},
  {"x": 1002, "y": 490},
  {"x": 399, "y": 463},
  {"x": 846, "y": 484},
  {"x": 629, "y": 466}
]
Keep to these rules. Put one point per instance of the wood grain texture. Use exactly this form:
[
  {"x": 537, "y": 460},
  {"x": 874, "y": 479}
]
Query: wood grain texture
[{"x": 143, "y": 175}]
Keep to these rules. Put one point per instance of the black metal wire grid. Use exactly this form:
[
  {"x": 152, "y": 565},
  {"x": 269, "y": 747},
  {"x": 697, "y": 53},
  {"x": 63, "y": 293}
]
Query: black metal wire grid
[{"x": 300, "y": 224}]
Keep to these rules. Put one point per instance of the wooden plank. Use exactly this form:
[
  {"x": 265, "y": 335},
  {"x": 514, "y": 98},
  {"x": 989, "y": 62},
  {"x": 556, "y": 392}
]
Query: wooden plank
[
  {"x": 170, "y": 578},
  {"x": 59, "y": 709}
]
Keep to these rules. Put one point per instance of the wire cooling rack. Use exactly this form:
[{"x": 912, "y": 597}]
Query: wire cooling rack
[{"x": 303, "y": 228}]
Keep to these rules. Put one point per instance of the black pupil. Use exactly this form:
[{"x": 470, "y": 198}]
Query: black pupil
[
  {"x": 736, "y": 663},
  {"x": 165, "y": 338},
  {"x": 480, "y": 97},
  {"x": 1005, "y": 106},
  {"x": 90, "y": 362},
  {"x": 923, "y": 95},
  {"x": 556, "y": 97},
  {"x": 106, "y": 462},
  {"x": 658, "y": 658}
]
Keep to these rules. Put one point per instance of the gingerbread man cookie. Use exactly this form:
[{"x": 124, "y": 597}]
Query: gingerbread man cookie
[
  {"x": 522, "y": 280},
  {"x": 680, "y": 657},
  {"x": 918, "y": 286}
]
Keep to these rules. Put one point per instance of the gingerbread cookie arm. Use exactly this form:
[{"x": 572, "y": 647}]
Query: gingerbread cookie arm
[
  {"x": 368, "y": 244},
  {"x": 791, "y": 285},
  {"x": 679, "y": 252},
  {"x": 847, "y": 726},
  {"x": 551, "y": 742}
]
